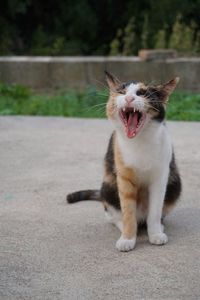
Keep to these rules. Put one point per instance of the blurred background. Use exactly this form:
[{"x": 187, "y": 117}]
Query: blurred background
[
  {"x": 73, "y": 42},
  {"x": 92, "y": 27}
]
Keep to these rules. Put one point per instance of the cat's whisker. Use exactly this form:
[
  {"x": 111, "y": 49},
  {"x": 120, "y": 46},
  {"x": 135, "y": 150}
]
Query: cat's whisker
[
  {"x": 150, "y": 93},
  {"x": 96, "y": 106},
  {"x": 101, "y": 83},
  {"x": 147, "y": 90},
  {"x": 101, "y": 111},
  {"x": 100, "y": 108},
  {"x": 100, "y": 104},
  {"x": 151, "y": 107},
  {"x": 155, "y": 101},
  {"x": 102, "y": 95},
  {"x": 94, "y": 109}
]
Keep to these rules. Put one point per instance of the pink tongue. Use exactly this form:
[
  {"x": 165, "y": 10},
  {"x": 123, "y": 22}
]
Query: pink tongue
[{"x": 131, "y": 124}]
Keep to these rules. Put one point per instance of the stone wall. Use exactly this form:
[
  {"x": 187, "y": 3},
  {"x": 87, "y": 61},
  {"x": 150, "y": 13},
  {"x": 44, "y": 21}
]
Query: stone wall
[{"x": 50, "y": 73}]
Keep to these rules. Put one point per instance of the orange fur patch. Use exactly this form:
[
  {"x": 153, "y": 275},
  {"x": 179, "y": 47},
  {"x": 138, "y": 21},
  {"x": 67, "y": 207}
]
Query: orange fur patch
[
  {"x": 111, "y": 105},
  {"x": 128, "y": 188}
]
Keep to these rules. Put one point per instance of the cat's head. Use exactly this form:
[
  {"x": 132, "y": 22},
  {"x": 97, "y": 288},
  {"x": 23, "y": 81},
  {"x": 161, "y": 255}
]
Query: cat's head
[{"x": 133, "y": 105}]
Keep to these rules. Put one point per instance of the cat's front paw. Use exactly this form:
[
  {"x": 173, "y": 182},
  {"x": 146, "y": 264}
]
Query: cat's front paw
[
  {"x": 125, "y": 245},
  {"x": 158, "y": 238}
]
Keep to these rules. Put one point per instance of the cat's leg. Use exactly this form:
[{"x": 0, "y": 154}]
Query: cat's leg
[
  {"x": 127, "y": 193},
  {"x": 155, "y": 228}
]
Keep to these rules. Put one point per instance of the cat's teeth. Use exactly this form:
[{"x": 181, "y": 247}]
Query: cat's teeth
[
  {"x": 124, "y": 109},
  {"x": 134, "y": 109}
]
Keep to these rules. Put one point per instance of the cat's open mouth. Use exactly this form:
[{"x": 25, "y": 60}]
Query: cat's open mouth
[{"x": 133, "y": 120}]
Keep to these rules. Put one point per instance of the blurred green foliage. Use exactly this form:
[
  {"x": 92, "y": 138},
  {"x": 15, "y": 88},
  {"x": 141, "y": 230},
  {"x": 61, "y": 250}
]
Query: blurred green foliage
[
  {"x": 90, "y": 103},
  {"x": 93, "y": 27}
]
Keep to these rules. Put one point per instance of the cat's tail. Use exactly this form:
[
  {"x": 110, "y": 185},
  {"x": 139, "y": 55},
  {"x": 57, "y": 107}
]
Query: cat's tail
[{"x": 84, "y": 195}]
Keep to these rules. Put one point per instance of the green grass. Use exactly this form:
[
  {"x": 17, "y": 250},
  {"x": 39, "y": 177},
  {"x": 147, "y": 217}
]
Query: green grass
[{"x": 90, "y": 103}]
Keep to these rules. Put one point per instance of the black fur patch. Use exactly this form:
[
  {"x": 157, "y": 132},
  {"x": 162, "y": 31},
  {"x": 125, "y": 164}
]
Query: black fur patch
[
  {"x": 173, "y": 190},
  {"x": 83, "y": 195},
  {"x": 109, "y": 193},
  {"x": 109, "y": 157},
  {"x": 141, "y": 92},
  {"x": 156, "y": 100}
]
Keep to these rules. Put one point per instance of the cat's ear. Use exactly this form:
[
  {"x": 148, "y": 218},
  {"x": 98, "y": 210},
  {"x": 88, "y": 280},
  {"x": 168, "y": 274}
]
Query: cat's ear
[
  {"x": 169, "y": 87},
  {"x": 112, "y": 81}
]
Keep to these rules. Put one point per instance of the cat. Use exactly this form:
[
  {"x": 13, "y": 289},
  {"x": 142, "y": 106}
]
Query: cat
[{"x": 141, "y": 180}]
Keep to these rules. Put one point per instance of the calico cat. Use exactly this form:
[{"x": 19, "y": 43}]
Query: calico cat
[{"x": 141, "y": 181}]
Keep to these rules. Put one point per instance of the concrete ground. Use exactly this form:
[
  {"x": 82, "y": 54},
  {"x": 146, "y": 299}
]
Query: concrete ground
[{"x": 51, "y": 250}]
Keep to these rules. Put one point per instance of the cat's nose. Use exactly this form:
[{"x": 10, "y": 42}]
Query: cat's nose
[{"x": 129, "y": 99}]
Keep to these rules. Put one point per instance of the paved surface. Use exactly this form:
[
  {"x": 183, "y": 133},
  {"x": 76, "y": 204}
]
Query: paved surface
[{"x": 51, "y": 250}]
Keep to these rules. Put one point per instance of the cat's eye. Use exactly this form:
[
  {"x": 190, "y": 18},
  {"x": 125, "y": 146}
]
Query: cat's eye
[
  {"x": 121, "y": 89},
  {"x": 140, "y": 92},
  {"x": 122, "y": 92}
]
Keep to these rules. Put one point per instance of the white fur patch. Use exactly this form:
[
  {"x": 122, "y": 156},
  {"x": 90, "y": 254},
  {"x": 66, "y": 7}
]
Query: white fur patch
[
  {"x": 158, "y": 239},
  {"x": 114, "y": 217},
  {"x": 138, "y": 102},
  {"x": 132, "y": 88},
  {"x": 125, "y": 245},
  {"x": 149, "y": 152}
]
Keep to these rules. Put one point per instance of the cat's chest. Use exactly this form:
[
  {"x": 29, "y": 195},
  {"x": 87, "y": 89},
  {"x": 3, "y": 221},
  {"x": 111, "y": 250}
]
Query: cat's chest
[
  {"x": 140, "y": 157},
  {"x": 146, "y": 155}
]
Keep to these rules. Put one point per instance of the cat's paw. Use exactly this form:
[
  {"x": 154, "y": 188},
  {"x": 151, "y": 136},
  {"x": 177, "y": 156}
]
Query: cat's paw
[
  {"x": 158, "y": 238},
  {"x": 125, "y": 245}
]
